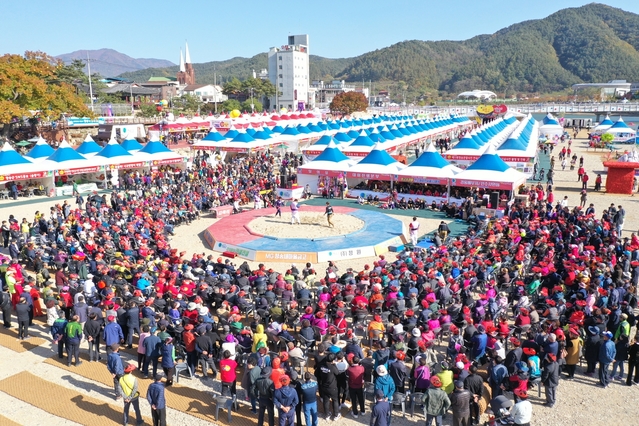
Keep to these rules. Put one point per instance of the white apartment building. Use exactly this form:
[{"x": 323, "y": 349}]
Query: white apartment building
[{"x": 288, "y": 70}]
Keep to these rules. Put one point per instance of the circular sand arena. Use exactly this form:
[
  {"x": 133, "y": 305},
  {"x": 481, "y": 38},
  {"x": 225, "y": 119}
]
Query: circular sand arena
[{"x": 314, "y": 225}]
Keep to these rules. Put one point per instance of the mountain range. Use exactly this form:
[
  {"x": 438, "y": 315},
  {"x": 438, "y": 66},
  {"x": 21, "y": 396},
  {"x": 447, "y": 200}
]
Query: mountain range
[
  {"x": 109, "y": 62},
  {"x": 592, "y": 43}
]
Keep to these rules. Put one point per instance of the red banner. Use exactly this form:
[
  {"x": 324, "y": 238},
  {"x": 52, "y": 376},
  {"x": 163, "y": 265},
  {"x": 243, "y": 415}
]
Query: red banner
[
  {"x": 167, "y": 161},
  {"x": 127, "y": 165},
  {"x": 482, "y": 184},
  {"x": 22, "y": 176},
  {"x": 79, "y": 170}
]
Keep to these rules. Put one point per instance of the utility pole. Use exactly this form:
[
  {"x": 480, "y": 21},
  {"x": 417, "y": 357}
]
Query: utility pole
[
  {"x": 215, "y": 87},
  {"x": 90, "y": 85}
]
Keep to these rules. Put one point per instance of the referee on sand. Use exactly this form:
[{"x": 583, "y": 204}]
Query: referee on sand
[{"x": 329, "y": 214}]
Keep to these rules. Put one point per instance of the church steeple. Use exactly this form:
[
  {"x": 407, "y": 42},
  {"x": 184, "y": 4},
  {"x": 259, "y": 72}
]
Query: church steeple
[
  {"x": 186, "y": 75},
  {"x": 182, "y": 69},
  {"x": 188, "y": 55}
]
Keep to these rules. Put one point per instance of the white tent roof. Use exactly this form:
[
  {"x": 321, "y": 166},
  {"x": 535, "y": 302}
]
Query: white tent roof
[
  {"x": 489, "y": 172},
  {"x": 431, "y": 169}
]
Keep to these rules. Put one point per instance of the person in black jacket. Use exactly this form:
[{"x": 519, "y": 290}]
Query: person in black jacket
[
  {"x": 475, "y": 384},
  {"x": 92, "y": 332},
  {"x": 633, "y": 363},
  {"x": 132, "y": 322},
  {"x": 550, "y": 379},
  {"x": 5, "y": 306},
  {"x": 327, "y": 378},
  {"x": 22, "y": 312},
  {"x": 264, "y": 390}
]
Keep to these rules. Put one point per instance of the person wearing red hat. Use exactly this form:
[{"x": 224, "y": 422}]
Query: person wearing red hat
[
  {"x": 436, "y": 402},
  {"x": 128, "y": 391}
]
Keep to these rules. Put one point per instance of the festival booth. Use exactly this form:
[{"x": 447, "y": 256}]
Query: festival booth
[
  {"x": 603, "y": 126},
  {"x": 361, "y": 146},
  {"x": 326, "y": 172},
  {"x": 550, "y": 128},
  {"x": 378, "y": 165},
  {"x": 16, "y": 168},
  {"x": 491, "y": 174},
  {"x": 427, "y": 177},
  {"x": 318, "y": 147},
  {"x": 519, "y": 151},
  {"x": 69, "y": 166},
  {"x": 40, "y": 151},
  {"x": 621, "y": 131},
  {"x": 156, "y": 154},
  {"x": 475, "y": 143},
  {"x": 88, "y": 147}
]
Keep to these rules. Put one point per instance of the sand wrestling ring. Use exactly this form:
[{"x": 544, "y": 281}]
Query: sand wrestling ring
[{"x": 260, "y": 236}]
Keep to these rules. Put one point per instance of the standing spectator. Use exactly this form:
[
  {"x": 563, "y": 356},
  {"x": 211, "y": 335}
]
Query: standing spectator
[
  {"x": 57, "y": 331},
  {"x": 152, "y": 344},
  {"x": 460, "y": 404},
  {"x": 436, "y": 402},
  {"x": 130, "y": 395},
  {"x": 327, "y": 379},
  {"x": 112, "y": 334},
  {"x": 168, "y": 360},
  {"x": 385, "y": 382},
  {"x": 285, "y": 399},
  {"x": 633, "y": 363},
  {"x": 92, "y": 331},
  {"x": 475, "y": 384},
  {"x": 621, "y": 347},
  {"x": 22, "y": 313},
  {"x": 607, "y": 353},
  {"x": 355, "y": 374},
  {"x": 155, "y": 396},
  {"x": 251, "y": 374},
  {"x": 132, "y": 323},
  {"x": 265, "y": 389},
  {"x": 584, "y": 180},
  {"x": 309, "y": 400},
  {"x": 550, "y": 379},
  {"x": 73, "y": 335},
  {"x": 5, "y": 306},
  {"x": 583, "y": 198},
  {"x": 114, "y": 365},
  {"x": 380, "y": 416},
  {"x": 598, "y": 180},
  {"x": 141, "y": 351},
  {"x": 228, "y": 376}
]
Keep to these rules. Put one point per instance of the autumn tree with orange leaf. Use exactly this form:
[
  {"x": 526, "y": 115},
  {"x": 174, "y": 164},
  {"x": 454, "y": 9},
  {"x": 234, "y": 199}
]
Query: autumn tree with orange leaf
[{"x": 30, "y": 89}]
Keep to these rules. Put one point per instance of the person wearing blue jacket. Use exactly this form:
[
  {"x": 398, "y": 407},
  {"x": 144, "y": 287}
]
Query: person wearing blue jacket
[
  {"x": 385, "y": 383},
  {"x": 115, "y": 367},
  {"x": 152, "y": 345},
  {"x": 112, "y": 333},
  {"x": 480, "y": 340},
  {"x": 57, "y": 332},
  {"x": 607, "y": 353},
  {"x": 168, "y": 360},
  {"x": 286, "y": 399}
]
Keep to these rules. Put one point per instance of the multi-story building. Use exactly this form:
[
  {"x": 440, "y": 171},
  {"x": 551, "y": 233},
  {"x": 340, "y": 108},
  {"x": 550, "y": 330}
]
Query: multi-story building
[{"x": 288, "y": 70}]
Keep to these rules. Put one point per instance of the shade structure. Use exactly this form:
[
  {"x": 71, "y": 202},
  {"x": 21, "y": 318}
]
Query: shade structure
[
  {"x": 621, "y": 131},
  {"x": 88, "y": 148},
  {"x": 489, "y": 172},
  {"x": 131, "y": 145},
  {"x": 378, "y": 164},
  {"x": 214, "y": 136},
  {"x": 243, "y": 137},
  {"x": 550, "y": 127},
  {"x": 604, "y": 125},
  {"x": 330, "y": 162},
  {"x": 40, "y": 150},
  {"x": 155, "y": 147},
  {"x": 10, "y": 157},
  {"x": 15, "y": 167},
  {"x": 113, "y": 149},
  {"x": 430, "y": 168},
  {"x": 65, "y": 153}
]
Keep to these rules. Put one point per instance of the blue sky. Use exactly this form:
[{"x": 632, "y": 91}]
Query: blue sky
[{"x": 219, "y": 30}]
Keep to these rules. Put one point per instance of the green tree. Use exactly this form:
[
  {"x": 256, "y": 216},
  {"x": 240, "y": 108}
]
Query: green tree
[
  {"x": 230, "y": 105},
  {"x": 607, "y": 137},
  {"x": 232, "y": 88},
  {"x": 147, "y": 111},
  {"x": 30, "y": 88},
  {"x": 187, "y": 103},
  {"x": 257, "y": 106},
  {"x": 348, "y": 102}
]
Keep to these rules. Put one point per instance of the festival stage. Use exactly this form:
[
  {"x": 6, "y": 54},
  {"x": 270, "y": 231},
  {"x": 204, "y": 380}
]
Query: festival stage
[{"x": 306, "y": 242}]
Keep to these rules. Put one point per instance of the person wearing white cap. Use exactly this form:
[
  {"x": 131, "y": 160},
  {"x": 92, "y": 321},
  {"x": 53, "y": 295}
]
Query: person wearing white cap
[{"x": 384, "y": 382}]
